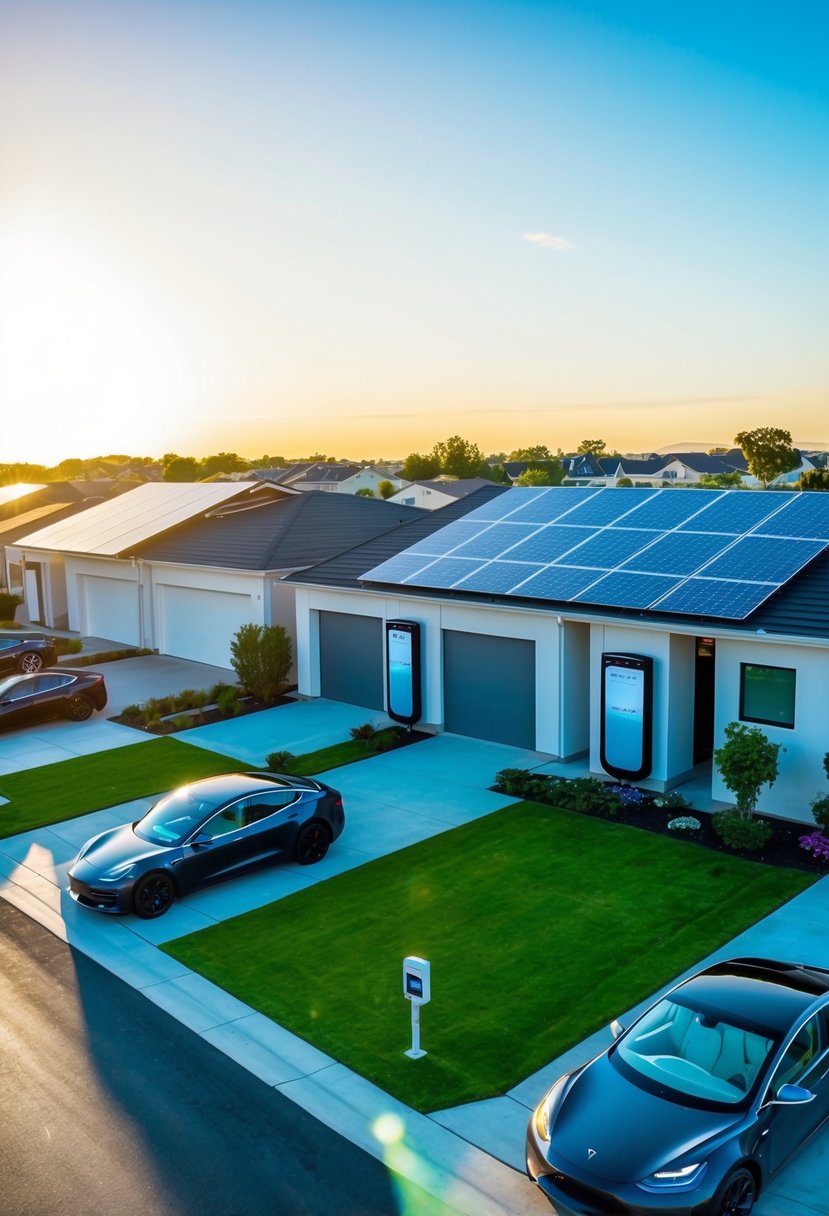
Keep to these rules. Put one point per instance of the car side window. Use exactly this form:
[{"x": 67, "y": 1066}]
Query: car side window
[
  {"x": 262, "y": 806},
  {"x": 804, "y": 1049},
  {"x": 19, "y": 692},
  {"x": 229, "y": 819},
  {"x": 47, "y": 683}
]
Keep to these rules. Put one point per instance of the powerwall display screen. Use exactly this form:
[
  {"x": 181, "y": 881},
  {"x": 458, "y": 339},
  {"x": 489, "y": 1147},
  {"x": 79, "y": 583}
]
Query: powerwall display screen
[
  {"x": 627, "y": 715},
  {"x": 403, "y": 670}
]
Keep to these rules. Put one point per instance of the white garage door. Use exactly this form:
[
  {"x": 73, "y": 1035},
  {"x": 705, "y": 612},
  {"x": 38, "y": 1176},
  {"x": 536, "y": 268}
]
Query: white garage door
[
  {"x": 198, "y": 624},
  {"x": 110, "y": 609}
]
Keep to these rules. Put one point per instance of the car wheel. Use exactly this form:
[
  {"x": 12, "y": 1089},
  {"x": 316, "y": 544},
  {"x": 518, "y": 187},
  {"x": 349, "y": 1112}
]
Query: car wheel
[
  {"x": 153, "y": 895},
  {"x": 736, "y": 1195},
  {"x": 79, "y": 708},
  {"x": 30, "y": 662},
  {"x": 311, "y": 844}
]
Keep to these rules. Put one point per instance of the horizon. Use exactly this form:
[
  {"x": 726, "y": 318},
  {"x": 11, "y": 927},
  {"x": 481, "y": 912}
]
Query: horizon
[{"x": 231, "y": 226}]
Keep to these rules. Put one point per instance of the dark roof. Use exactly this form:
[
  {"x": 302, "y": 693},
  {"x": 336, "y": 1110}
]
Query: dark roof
[
  {"x": 346, "y": 569},
  {"x": 278, "y": 535},
  {"x": 799, "y": 608},
  {"x": 39, "y": 496}
]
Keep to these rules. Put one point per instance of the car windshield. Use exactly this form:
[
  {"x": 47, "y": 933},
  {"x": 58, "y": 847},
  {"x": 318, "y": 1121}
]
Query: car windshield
[
  {"x": 174, "y": 818},
  {"x": 689, "y": 1052}
]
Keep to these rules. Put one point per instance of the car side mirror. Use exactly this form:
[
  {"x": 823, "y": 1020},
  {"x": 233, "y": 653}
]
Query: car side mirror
[
  {"x": 793, "y": 1095},
  {"x": 616, "y": 1028},
  {"x": 201, "y": 841}
]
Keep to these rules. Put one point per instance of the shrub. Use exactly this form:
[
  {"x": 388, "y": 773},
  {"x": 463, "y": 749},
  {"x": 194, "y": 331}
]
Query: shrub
[
  {"x": 630, "y": 795},
  {"x": 131, "y": 711},
  {"x": 820, "y": 810},
  {"x": 228, "y": 700},
  {"x": 261, "y": 657},
  {"x": 747, "y": 760},
  {"x": 279, "y": 762},
  {"x": 217, "y": 690},
  {"x": 738, "y": 832},
  {"x": 589, "y": 794},
  {"x": 672, "y": 801},
  {"x": 384, "y": 740},
  {"x": 182, "y": 722},
  {"x": 9, "y": 603},
  {"x": 684, "y": 823},
  {"x": 366, "y": 730},
  {"x": 68, "y": 645}
]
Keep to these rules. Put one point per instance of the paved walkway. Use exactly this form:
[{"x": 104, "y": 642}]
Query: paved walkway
[{"x": 470, "y": 1156}]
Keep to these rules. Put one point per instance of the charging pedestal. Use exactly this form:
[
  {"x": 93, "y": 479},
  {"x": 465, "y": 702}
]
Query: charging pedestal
[{"x": 417, "y": 990}]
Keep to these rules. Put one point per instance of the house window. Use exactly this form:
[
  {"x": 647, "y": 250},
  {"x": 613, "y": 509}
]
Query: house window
[{"x": 767, "y": 694}]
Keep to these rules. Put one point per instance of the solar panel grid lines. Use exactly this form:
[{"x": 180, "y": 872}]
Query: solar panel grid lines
[{"x": 716, "y": 553}]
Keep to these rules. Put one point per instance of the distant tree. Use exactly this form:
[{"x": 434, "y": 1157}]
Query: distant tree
[
  {"x": 597, "y": 447},
  {"x": 534, "y": 477},
  {"x": 717, "y": 451},
  {"x": 461, "y": 458},
  {"x": 320, "y": 458},
  {"x": 365, "y": 492},
  {"x": 10, "y": 474},
  {"x": 268, "y": 462},
  {"x": 623, "y": 483},
  {"x": 385, "y": 489},
  {"x": 418, "y": 467},
  {"x": 180, "y": 468},
  {"x": 768, "y": 451},
  {"x": 539, "y": 452},
  {"x": 721, "y": 481},
  {"x": 70, "y": 468},
  {"x": 814, "y": 479},
  {"x": 496, "y": 458},
  {"x": 224, "y": 462}
]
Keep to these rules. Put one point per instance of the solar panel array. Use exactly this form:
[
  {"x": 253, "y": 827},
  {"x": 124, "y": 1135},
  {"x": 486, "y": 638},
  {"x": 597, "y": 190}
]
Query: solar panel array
[{"x": 717, "y": 553}]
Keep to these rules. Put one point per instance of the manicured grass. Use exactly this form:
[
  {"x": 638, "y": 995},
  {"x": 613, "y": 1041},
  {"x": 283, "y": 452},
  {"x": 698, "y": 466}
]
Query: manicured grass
[
  {"x": 335, "y": 756},
  {"x": 73, "y": 787},
  {"x": 541, "y": 925}
]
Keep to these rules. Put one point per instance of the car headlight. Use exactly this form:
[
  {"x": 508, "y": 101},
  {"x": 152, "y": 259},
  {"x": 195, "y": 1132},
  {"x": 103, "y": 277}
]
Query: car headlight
[
  {"x": 679, "y": 1177},
  {"x": 545, "y": 1111},
  {"x": 119, "y": 871}
]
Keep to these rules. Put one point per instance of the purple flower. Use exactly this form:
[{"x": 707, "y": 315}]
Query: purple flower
[{"x": 816, "y": 843}]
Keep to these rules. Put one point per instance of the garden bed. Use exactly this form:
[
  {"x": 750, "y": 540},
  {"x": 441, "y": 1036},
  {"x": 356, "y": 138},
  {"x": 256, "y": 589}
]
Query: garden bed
[{"x": 653, "y": 812}]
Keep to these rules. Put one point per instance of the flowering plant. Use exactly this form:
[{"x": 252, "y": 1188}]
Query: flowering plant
[
  {"x": 817, "y": 844},
  {"x": 685, "y": 823},
  {"x": 629, "y": 795}
]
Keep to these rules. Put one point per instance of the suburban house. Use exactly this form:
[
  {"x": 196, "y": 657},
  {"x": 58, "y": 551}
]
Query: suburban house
[
  {"x": 688, "y": 468},
  {"x": 581, "y": 469},
  {"x": 331, "y": 478},
  {"x": 178, "y": 567},
  {"x": 522, "y": 600},
  {"x": 438, "y": 493}
]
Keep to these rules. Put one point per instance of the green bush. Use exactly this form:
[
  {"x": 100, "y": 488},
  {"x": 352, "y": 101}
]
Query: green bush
[
  {"x": 747, "y": 760},
  {"x": 131, "y": 711},
  {"x": 181, "y": 722},
  {"x": 384, "y": 740},
  {"x": 584, "y": 794},
  {"x": 820, "y": 810},
  {"x": 738, "y": 832},
  {"x": 261, "y": 657},
  {"x": 228, "y": 700},
  {"x": 279, "y": 762},
  {"x": 9, "y": 603},
  {"x": 672, "y": 801},
  {"x": 366, "y": 730},
  {"x": 217, "y": 690}
]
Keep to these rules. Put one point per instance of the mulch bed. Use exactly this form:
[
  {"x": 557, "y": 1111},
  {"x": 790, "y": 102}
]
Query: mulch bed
[
  {"x": 781, "y": 849},
  {"x": 205, "y": 717}
]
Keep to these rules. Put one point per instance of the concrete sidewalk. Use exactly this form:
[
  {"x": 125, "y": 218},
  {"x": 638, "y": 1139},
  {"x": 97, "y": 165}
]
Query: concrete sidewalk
[{"x": 470, "y": 1156}]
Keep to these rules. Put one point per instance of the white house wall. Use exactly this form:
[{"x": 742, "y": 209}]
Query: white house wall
[
  {"x": 801, "y": 774},
  {"x": 81, "y": 569}
]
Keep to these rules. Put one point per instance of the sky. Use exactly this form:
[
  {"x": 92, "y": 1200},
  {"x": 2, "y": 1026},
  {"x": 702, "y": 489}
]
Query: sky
[{"x": 359, "y": 228}]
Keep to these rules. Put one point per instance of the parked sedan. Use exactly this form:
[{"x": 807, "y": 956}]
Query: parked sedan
[
  {"x": 696, "y": 1106},
  {"x": 201, "y": 833},
  {"x": 62, "y": 693},
  {"x": 27, "y": 654}
]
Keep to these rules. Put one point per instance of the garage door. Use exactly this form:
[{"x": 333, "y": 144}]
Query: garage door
[
  {"x": 110, "y": 609},
  {"x": 351, "y": 659},
  {"x": 489, "y": 687},
  {"x": 200, "y": 625}
]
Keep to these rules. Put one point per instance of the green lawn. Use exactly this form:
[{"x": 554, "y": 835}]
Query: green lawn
[
  {"x": 541, "y": 925},
  {"x": 73, "y": 787}
]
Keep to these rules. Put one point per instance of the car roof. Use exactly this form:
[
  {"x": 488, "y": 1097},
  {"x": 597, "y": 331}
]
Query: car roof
[
  {"x": 760, "y": 993},
  {"x": 236, "y": 785}
]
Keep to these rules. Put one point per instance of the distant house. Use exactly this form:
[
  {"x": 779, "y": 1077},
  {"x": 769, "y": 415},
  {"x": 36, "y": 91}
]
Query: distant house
[
  {"x": 688, "y": 468},
  {"x": 330, "y": 478},
  {"x": 433, "y": 494}
]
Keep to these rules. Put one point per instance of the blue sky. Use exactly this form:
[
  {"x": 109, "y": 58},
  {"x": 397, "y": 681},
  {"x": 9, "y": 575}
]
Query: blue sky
[{"x": 362, "y": 227}]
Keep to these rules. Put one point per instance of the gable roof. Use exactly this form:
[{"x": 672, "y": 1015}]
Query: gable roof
[
  {"x": 348, "y": 567},
  {"x": 118, "y": 525},
  {"x": 281, "y": 534},
  {"x": 453, "y": 489}
]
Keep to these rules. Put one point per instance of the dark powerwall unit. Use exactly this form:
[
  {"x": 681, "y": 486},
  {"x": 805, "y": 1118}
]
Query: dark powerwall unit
[
  {"x": 403, "y": 678},
  {"x": 627, "y": 716}
]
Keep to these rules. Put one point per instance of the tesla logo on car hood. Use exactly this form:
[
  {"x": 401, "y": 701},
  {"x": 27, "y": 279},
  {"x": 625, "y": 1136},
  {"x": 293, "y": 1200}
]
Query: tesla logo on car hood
[{"x": 591, "y": 1153}]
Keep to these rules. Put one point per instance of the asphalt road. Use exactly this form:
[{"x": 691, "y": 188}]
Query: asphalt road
[{"x": 107, "y": 1104}]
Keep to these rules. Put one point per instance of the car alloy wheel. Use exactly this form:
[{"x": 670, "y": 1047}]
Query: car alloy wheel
[
  {"x": 312, "y": 844},
  {"x": 153, "y": 895},
  {"x": 79, "y": 708},
  {"x": 737, "y": 1194},
  {"x": 30, "y": 662}
]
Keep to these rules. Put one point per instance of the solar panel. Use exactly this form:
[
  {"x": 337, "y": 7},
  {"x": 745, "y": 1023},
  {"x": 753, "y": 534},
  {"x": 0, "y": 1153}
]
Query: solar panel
[{"x": 717, "y": 553}]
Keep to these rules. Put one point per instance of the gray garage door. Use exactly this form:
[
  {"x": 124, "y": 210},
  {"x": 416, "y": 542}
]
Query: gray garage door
[
  {"x": 351, "y": 659},
  {"x": 489, "y": 687}
]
